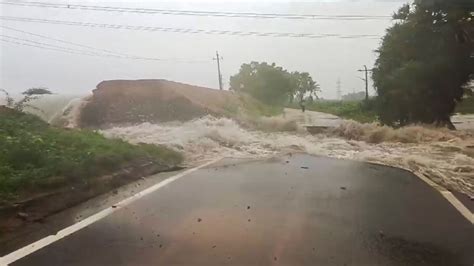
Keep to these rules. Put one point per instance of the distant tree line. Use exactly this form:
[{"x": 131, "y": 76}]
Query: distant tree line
[{"x": 354, "y": 96}]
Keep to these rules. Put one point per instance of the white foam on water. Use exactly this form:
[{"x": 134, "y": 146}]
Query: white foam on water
[
  {"x": 57, "y": 109},
  {"x": 445, "y": 157}
]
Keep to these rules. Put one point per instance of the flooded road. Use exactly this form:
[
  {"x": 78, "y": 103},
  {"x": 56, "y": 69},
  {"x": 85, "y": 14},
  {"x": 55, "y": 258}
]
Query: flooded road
[
  {"x": 463, "y": 122},
  {"x": 312, "y": 118},
  {"x": 294, "y": 210},
  {"x": 444, "y": 156}
]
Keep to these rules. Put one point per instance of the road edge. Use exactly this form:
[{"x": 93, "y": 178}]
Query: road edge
[
  {"x": 455, "y": 202},
  {"x": 39, "y": 244}
]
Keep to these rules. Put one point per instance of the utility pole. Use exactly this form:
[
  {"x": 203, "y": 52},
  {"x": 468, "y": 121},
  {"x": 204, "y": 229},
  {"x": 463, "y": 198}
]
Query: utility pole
[
  {"x": 219, "y": 75},
  {"x": 366, "y": 79},
  {"x": 338, "y": 89}
]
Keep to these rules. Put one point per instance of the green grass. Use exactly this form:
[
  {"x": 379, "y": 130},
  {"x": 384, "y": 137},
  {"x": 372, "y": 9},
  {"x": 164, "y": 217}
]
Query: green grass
[
  {"x": 466, "y": 106},
  {"x": 355, "y": 110},
  {"x": 34, "y": 155}
]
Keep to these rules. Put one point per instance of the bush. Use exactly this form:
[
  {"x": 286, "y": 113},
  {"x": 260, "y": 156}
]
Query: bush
[{"x": 34, "y": 154}]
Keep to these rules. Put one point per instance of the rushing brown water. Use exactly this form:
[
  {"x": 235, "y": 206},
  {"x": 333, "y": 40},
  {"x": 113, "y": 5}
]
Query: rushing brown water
[{"x": 446, "y": 157}]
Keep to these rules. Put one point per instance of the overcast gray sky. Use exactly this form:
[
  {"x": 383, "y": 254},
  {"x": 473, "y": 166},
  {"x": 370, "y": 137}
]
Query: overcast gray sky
[{"x": 326, "y": 59}]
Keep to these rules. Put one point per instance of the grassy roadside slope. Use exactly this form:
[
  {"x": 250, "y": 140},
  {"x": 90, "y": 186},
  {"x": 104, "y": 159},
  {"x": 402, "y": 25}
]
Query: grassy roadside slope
[{"x": 35, "y": 156}]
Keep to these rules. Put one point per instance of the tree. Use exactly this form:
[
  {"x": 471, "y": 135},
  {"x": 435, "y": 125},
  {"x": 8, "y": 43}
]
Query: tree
[
  {"x": 29, "y": 95},
  {"x": 268, "y": 83},
  {"x": 272, "y": 84},
  {"x": 424, "y": 62},
  {"x": 302, "y": 86}
]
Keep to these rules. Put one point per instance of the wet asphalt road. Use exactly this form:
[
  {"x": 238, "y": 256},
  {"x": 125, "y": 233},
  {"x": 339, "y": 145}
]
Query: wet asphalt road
[{"x": 294, "y": 210}]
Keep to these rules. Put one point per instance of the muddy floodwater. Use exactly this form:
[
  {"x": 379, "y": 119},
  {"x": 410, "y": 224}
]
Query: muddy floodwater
[{"x": 446, "y": 157}]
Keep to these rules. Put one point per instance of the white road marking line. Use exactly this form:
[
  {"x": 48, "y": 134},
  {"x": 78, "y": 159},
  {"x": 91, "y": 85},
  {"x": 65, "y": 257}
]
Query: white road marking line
[
  {"x": 458, "y": 205},
  {"x": 25, "y": 251},
  {"x": 449, "y": 197}
]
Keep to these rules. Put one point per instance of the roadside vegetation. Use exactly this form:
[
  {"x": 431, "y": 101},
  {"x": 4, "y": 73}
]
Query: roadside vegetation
[
  {"x": 273, "y": 85},
  {"x": 275, "y": 88},
  {"x": 424, "y": 63},
  {"x": 421, "y": 75},
  {"x": 35, "y": 156},
  {"x": 266, "y": 89}
]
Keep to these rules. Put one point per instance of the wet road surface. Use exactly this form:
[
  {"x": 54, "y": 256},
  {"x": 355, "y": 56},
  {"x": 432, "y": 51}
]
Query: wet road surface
[{"x": 294, "y": 210}]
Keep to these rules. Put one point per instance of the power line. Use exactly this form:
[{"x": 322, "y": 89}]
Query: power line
[
  {"x": 48, "y": 45},
  {"x": 43, "y": 47},
  {"x": 190, "y": 31},
  {"x": 117, "y": 54},
  {"x": 70, "y": 51},
  {"x": 30, "y": 43},
  {"x": 62, "y": 41},
  {"x": 198, "y": 13}
]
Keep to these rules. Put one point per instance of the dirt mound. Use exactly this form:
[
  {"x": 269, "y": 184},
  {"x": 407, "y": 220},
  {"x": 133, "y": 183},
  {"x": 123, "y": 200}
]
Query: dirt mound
[{"x": 136, "y": 101}]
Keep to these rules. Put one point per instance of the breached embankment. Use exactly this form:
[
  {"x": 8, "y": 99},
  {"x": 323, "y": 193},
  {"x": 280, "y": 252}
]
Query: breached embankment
[{"x": 150, "y": 112}]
